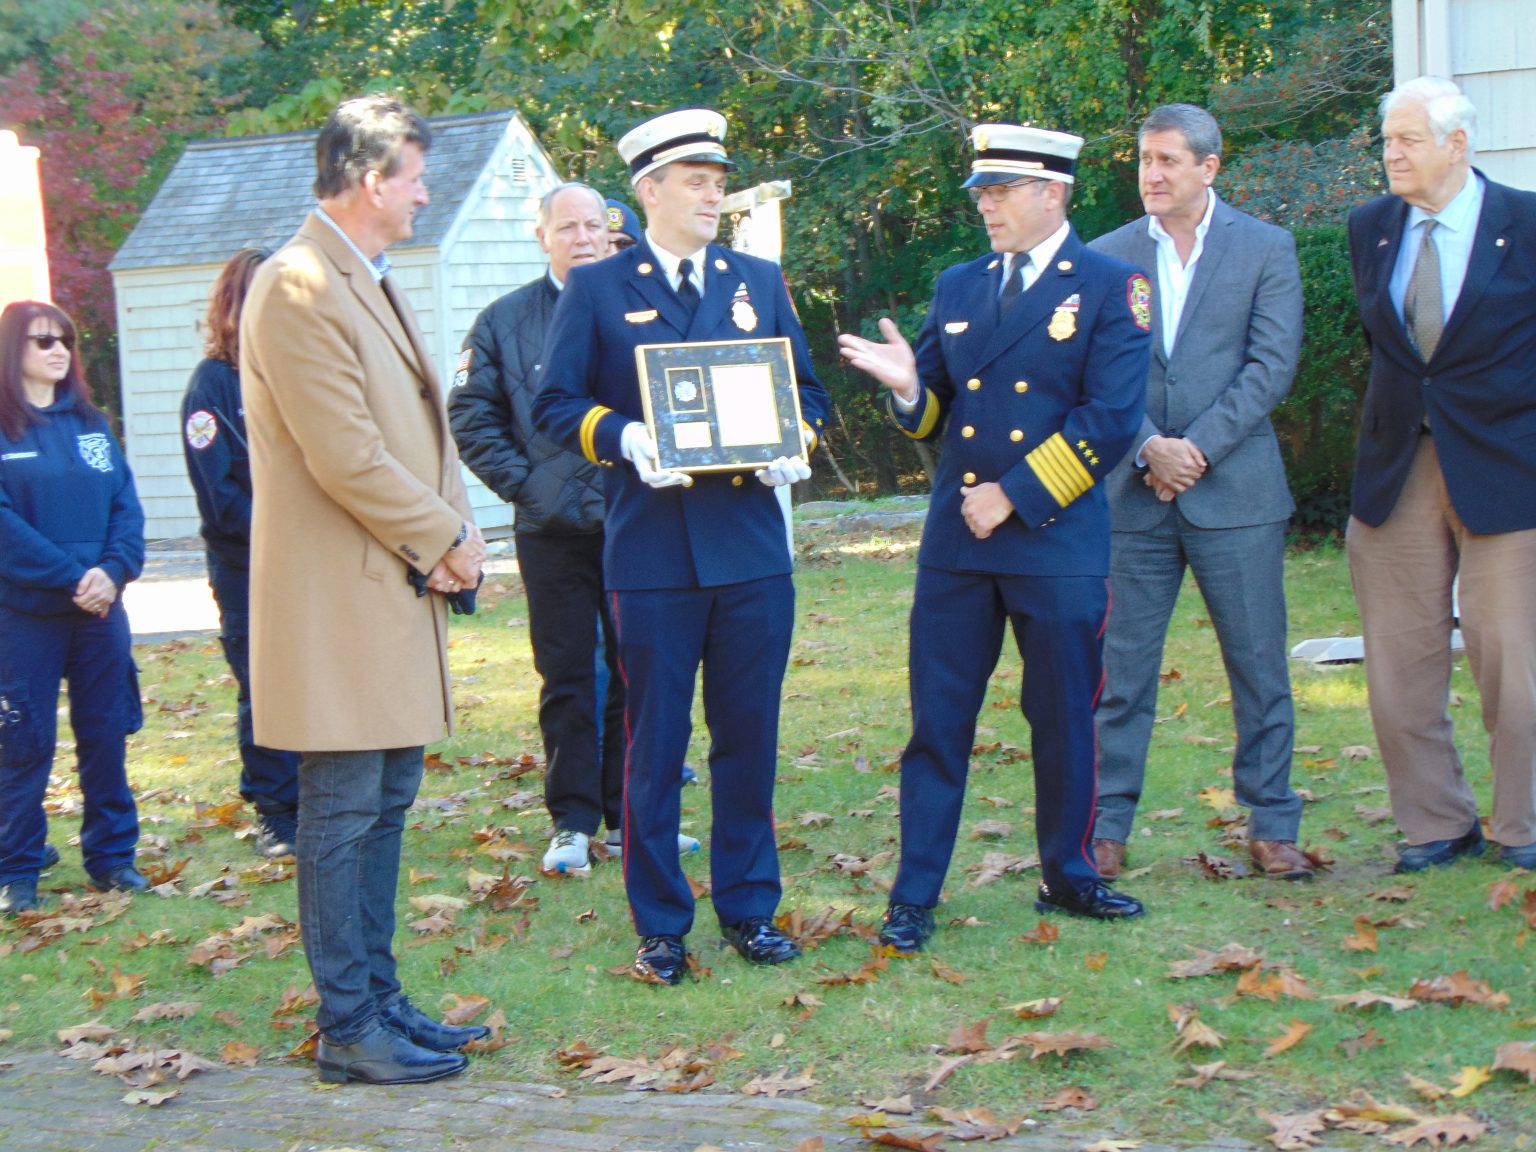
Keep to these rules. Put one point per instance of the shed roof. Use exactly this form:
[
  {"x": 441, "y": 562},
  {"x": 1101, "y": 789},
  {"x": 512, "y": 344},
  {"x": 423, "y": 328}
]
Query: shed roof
[{"x": 255, "y": 190}]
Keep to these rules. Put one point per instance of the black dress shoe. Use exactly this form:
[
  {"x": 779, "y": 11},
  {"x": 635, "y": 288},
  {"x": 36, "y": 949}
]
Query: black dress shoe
[
  {"x": 401, "y": 1016},
  {"x": 907, "y": 927},
  {"x": 1438, "y": 853},
  {"x": 126, "y": 878},
  {"x": 661, "y": 959},
  {"x": 1098, "y": 901},
  {"x": 759, "y": 942},
  {"x": 50, "y": 856},
  {"x": 383, "y": 1056},
  {"x": 18, "y": 896}
]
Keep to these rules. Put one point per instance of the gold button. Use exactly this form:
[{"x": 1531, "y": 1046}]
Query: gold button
[
  {"x": 967, "y": 431},
  {"x": 735, "y": 481},
  {"x": 1021, "y": 386},
  {"x": 973, "y": 383},
  {"x": 969, "y": 477},
  {"x": 644, "y": 269},
  {"x": 1016, "y": 435}
]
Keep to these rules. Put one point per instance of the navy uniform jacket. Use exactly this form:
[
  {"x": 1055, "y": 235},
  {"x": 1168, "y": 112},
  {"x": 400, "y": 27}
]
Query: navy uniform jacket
[
  {"x": 67, "y": 504},
  {"x": 218, "y": 461},
  {"x": 727, "y": 527},
  {"x": 1045, "y": 404},
  {"x": 1479, "y": 389}
]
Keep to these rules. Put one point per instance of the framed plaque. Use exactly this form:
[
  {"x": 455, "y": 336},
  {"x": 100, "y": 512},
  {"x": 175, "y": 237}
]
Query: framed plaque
[{"x": 721, "y": 405}]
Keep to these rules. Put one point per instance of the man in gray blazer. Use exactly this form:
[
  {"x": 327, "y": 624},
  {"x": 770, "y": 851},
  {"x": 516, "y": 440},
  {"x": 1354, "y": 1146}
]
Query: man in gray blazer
[{"x": 1204, "y": 487}]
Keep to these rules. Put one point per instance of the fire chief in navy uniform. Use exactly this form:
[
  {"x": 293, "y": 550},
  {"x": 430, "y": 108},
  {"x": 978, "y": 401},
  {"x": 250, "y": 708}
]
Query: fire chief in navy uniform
[
  {"x": 698, "y": 568},
  {"x": 1031, "y": 368}
]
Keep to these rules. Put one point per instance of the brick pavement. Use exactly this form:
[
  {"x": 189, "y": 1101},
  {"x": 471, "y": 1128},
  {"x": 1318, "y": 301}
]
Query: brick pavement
[{"x": 49, "y": 1104}]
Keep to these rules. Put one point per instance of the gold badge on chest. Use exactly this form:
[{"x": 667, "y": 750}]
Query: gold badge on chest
[
  {"x": 743, "y": 314},
  {"x": 1063, "y": 324}
]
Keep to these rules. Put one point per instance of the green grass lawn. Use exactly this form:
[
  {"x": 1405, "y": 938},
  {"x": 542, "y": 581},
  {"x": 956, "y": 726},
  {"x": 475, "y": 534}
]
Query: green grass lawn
[{"x": 544, "y": 957}]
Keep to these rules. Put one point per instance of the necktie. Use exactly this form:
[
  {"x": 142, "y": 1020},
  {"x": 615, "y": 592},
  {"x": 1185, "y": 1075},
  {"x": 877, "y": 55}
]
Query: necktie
[
  {"x": 687, "y": 290},
  {"x": 1423, "y": 303},
  {"x": 1014, "y": 286}
]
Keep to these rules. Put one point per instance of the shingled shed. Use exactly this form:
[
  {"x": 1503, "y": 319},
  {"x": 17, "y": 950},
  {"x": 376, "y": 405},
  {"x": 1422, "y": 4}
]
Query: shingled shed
[{"x": 473, "y": 242}]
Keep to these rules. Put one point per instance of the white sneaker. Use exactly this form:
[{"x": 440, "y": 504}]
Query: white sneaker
[
  {"x": 614, "y": 842},
  {"x": 568, "y": 854}
]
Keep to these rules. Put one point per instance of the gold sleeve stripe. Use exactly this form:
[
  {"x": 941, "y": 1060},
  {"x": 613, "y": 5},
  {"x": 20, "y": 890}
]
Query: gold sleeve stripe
[
  {"x": 589, "y": 424},
  {"x": 1059, "y": 469},
  {"x": 810, "y": 446},
  {"x": 930, "y": 415}
]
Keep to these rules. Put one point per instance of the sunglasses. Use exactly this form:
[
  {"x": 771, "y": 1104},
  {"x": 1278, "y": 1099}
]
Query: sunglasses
[{"x": 48, "y": 341}]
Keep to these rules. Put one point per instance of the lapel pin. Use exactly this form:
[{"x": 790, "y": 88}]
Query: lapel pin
[
  {"x": 993, "y": 265},
  {"x": 644, "y": 269},
  {"x": 1499, "y": 243},
  {"x": 1383, "y": 242},
  {"x": 1064, "y": 266},
  {"x": 720, "y": 264}
]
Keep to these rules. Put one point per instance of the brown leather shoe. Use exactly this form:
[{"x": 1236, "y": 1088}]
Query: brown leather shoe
[
  {"x": 1280, "y": 859},
  {"x": 1109, "y": 855}
]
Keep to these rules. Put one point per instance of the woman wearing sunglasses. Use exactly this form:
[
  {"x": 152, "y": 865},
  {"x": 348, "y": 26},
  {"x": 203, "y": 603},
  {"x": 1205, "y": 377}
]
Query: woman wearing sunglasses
[{"x": 71, "y": 536}]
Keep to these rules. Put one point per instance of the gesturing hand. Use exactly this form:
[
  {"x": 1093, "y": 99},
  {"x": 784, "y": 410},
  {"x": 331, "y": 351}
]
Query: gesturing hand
[{"x": 892, "y": 363}]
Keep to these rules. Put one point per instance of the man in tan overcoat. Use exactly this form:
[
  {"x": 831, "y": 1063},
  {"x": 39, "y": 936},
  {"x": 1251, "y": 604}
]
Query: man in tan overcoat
[{"x": 356, "y": 489}]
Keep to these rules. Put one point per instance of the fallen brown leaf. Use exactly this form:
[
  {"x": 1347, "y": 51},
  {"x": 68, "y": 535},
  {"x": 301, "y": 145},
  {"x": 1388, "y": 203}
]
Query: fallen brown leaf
[
  {"x": 780, "y": 1081},
  {"x": 243, "y": 1055},
  {"x": 1062, "y": 1043},
  {"x": 1456, "y": 989},
  {"x": 1439, "y": 1131},
  {"x": 969, "y": 1038},
  {"x": 1294, "y": 1034},
  {"x": 1036, "y": 1009},
  {"x": 1043, "y": 933},
  {"x": 1296, "y": 1131},
  {"x": 1517, "y": 1057},
  {"x": 1078, "y": 1098}
]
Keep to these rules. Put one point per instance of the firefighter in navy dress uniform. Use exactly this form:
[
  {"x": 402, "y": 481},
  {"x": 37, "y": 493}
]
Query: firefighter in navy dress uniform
[
  {"x": 218, "y": 462},
  {"x": 71, "y": 536},
  {"x": 697, "y": 568},
  {"x": 1031, "y": 368}
]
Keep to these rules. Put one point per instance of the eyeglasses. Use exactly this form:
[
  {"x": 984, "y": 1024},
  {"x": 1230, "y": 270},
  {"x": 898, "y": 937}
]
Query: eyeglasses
[
  {"x": 997, "y": 193},
  {"x": 620, "y": 241},
  {"x": 46, "y": 342}
]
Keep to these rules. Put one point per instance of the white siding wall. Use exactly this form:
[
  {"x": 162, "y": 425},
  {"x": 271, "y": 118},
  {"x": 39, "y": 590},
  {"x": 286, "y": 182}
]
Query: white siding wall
[
  {"x": 490, "y": 250},
  {"x": 1489, "y": 48},
  {"x": 159, "y": 322}
]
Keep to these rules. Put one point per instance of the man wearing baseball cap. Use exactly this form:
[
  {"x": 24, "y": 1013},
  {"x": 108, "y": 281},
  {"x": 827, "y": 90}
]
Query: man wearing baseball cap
[
  {"x": 1030, "y": 369},
  {"x": 698, "y": 567}
]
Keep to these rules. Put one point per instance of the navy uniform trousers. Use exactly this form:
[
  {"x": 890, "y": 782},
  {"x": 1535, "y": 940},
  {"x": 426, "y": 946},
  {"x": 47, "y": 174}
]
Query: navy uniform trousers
[
  {"x": 739, "y": 634},
  {"x": 958, "y": 621},
  {"x": 95, "y": 656},
  {"x": 269, "y": 777}
]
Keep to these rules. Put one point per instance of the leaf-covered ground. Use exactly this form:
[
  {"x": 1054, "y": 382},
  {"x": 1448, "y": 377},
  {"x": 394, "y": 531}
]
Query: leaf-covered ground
[{"x": 1359, "y": 1007}]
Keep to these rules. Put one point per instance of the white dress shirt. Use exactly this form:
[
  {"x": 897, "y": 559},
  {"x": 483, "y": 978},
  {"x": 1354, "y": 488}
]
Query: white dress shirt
[
  {"x": 1174, "y": 276},
  {"x": 1452, "y": 240},
  {"x": 670, "y": 262}
]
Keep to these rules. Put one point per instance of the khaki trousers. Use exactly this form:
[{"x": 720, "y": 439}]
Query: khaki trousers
[{"x": 1402, "y": 572}]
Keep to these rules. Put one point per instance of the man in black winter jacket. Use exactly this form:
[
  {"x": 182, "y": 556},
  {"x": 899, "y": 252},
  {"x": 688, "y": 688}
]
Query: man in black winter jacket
[{"x": 559, "y": 534}]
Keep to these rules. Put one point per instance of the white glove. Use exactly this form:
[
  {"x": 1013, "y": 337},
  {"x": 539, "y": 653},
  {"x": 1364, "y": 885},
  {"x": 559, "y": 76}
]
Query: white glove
[
  {"x": 784, "y": 470},
  {"x": 640, "y": 450}
]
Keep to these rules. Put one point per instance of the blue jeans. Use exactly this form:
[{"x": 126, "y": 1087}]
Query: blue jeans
[{"x": 352, "y": 809}]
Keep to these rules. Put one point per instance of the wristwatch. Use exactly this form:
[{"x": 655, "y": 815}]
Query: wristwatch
[{"x": 461, "y": 537}]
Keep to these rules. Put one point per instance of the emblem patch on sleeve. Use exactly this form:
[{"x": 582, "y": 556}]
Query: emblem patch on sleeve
[
  {"x": 202, "y": 429},
  {"x": 461, "y": 373},
  {"x": 1138, "y": 294}
]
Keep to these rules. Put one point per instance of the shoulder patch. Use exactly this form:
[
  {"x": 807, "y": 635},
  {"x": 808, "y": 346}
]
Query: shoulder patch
[
  {"x": 202, "y": 429},
  {"x": 1138, "y": 294},
  {"x": 461, "y": 372}
]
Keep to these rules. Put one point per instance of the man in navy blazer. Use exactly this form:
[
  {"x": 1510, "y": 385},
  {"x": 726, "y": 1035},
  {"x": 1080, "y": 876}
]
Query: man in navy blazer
[
  {"x": 1204, "y": 486},
  {"x": 698, "y": 567},
  {"x": 1445, "y": 474},
  {"x": 1031, "y": 368}
]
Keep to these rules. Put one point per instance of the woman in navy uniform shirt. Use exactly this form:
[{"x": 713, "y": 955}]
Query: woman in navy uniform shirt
[
  {"x": 213, "y": 431},
  {"x": 71, "y": 536}
]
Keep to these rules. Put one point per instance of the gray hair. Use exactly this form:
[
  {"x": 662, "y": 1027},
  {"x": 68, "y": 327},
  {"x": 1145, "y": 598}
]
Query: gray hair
[
  {"x": 1197, "y": 126},
  {"x": 1446, "y": 106},
  {"x": 365, "y": 134},
  {"x": 547, "y": 201}
]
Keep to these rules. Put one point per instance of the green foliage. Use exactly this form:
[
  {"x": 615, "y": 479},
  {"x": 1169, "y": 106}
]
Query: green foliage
[{"x": 1316, "y": 423}]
